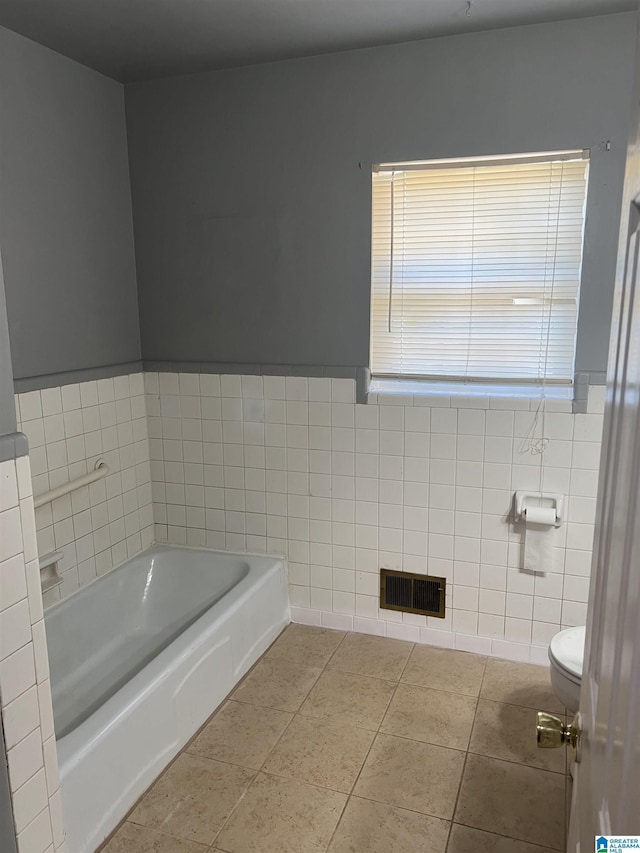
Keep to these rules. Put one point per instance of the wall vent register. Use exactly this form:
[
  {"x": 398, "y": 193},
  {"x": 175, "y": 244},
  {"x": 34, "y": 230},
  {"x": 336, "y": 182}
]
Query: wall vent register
[
  {"x": 412, "y": 593},
  {"x": 475, "y": 268}
]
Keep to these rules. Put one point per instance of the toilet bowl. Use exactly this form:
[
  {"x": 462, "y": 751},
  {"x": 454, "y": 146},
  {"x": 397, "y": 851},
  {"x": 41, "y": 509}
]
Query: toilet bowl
[{"x": 566, "y": 654}]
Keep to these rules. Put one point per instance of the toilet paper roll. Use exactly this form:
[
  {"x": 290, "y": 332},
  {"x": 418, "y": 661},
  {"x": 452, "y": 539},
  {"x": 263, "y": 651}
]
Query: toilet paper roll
[
  {"x": 538, "y": 541},
  {"x": 541, "y": 515}
]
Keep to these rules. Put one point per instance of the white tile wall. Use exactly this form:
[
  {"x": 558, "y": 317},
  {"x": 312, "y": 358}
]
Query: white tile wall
[
  {"x": 69, "y": 428},
  {"x": 25, "y": 690},
  {"x": 293, "y": 466}
]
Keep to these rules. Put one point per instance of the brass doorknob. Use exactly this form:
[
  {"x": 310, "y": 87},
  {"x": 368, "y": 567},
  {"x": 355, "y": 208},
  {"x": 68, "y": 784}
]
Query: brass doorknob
[{"x": 551, "y": 732}]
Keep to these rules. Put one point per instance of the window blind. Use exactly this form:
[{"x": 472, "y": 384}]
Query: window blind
[{"x": 476, "y": 268}]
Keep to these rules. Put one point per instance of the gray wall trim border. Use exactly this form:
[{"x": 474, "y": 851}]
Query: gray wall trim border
[
  {"x": 363, "y": 380},
  {"x": 13, "y": 445},
  {"x": 580, "y": 393},
  {"x": 312, "y": 370},
  {"x": 595, "y": 377},
  {"x": 581, "y": 383},
  {"x": 361, "y": 374},
  {"x": 69, "y": 377}
]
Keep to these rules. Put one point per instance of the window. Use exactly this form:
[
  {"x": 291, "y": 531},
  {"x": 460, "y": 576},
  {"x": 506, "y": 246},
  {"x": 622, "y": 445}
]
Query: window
[{"x": 476, "y": 268}]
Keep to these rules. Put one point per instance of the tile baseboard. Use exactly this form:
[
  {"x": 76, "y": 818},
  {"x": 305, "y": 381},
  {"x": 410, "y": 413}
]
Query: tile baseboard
[{"x": 522, "y": 652}]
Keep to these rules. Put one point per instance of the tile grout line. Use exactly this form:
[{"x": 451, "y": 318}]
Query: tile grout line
[
  {"x": 519, "y": 764},
  {"x": 511, "y": 838},
  {"x": 153, "y": 829},
  {"x": 378, "y": 729},
  {"x": 322, "y": 669},
  {"x": 294, "y": 714},
  {"x": 185, "y": 749},
  {"x": 511, "y": 761},
  {"x": 508, "y": 705},
  {"x": 373, "y": 740},
  {"x": 466, "y": 755},
  {"x": 467, "y": 751}
]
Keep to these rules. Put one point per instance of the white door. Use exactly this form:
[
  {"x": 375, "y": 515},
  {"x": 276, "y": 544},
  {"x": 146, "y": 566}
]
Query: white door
[{"x": 606, "y": 798}]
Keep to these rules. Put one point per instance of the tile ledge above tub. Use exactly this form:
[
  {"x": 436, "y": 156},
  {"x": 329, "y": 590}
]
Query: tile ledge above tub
[
  {"x": 508, "y": 396},
  {"x": 13, "y": 446}
]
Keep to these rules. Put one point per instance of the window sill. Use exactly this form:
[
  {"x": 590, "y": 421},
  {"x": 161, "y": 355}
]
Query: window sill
[{"x": 426, "y": 393}]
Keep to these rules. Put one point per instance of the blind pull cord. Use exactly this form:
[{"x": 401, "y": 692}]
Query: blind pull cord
[{"x": 393, "y": 176}]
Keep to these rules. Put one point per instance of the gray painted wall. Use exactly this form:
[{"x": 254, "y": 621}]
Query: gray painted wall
[
  {"x": 65, "y": 213},
  {"x": 7, "y": 403},
  {"x": 252, "y": 216}
]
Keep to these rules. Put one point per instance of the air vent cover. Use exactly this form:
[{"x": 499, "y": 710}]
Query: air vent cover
[{"x": 412, "y": 593}]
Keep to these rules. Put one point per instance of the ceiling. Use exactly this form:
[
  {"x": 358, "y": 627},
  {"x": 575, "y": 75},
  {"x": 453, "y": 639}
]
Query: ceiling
[{"x": 142, "y": 39}]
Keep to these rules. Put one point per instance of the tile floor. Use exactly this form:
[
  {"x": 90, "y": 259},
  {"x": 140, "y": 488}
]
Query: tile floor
[{"x": 348, "y": 743}]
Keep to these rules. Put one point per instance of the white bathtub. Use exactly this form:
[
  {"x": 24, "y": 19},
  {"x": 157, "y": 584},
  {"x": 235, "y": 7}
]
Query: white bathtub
[{"x": 139, "y": 659}]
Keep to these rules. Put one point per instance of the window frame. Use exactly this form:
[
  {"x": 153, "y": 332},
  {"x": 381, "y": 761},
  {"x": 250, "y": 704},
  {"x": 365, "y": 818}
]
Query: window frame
[{"x": 439, "y": 384}]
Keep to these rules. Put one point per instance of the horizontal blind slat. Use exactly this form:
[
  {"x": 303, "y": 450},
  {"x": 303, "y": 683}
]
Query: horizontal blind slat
[{"x": 484, "y": 279}]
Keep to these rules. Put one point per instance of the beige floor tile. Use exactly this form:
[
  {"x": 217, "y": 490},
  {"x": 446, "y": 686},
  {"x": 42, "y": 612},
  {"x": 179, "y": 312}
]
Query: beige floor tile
[
  {"x": 349, "y": 699},
  {"x": 241, "y": 734},
  {"x": 327, "y": 754},
  {"x": 368, "y": 827},
  {"x": 412, "y": 775},
  {"x": 131, "y": 838},
  {"x": 282, "y": 816},
  {"x": 466, "y": 840},
  {"x": 445, "y": 669},
  {"x": 277, "y": 684},
  {"x": 432, "y": 716},
  {"x": 193, "y": 798},
  {"x": 513, "y": 800},
  {"x": 519, "y": 684},
  {"x": 379, "y": 657},
  {"x": 306, "y": 645},
  {"x": 509, "y": 732}
]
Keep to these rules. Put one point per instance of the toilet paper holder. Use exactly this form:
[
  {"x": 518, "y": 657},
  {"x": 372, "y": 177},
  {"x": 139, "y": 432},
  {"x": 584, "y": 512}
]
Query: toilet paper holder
[{"x": 524, "y": 499}]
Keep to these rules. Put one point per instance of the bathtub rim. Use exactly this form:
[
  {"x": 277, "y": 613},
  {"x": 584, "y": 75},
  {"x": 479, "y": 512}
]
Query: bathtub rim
[
  {"x": 75, "y": 744},
  {"x": 97, "y": 796},
  {"x": 169, "y": 546}
]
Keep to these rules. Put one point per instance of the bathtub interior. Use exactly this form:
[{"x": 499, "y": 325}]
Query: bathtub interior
[{"x": 104, "y": 634}]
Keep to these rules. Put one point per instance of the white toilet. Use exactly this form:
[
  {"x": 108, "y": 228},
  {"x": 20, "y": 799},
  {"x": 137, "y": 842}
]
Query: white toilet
[{"x": 566, "y": 653}]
